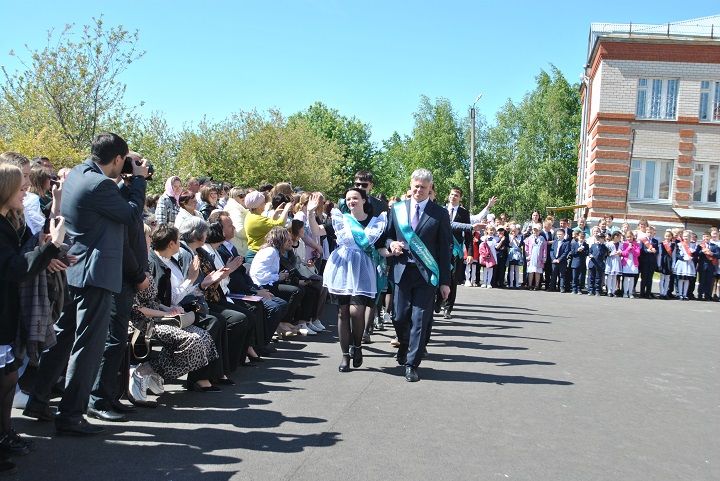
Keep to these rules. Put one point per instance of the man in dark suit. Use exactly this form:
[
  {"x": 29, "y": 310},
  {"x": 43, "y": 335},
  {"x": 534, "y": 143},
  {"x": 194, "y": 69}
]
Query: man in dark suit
[
  {"x": 463, "y": 238},
  {"x": 95, "y": 216},
  {"x": 106, "y": 391},
  {"x": 419, "y": 236}
]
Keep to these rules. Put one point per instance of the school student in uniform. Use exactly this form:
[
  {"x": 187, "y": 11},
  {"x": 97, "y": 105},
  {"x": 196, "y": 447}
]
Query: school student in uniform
[
  {"x": 597, "y": 256},
  {"x": 707, "y": 257},
  {"x": 558, "y": 259},
  {"x": 578, "y": 254},
  {"x": 667, "y": 256}
]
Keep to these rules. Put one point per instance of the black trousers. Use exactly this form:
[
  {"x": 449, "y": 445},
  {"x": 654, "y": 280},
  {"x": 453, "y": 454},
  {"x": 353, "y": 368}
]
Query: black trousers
[
  {"x": 216, "y": 327},
  {"x": 81, "y": 332},
  {"x": 413, "y": 303},
  {"x": 595, "y": 278},
  {"x": 240, "y": 332},
  {"x": 106, "y": 388},
  {"x": 578, "y": 274},
  {"x": 293, "y": 295},
  {"x": 557, "y": 277}
]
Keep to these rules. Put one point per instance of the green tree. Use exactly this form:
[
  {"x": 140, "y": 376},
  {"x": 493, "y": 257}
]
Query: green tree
[
  {"x": 352, "y": 135},
  {"x": 249, "y": 148},
  {"x": 71, "y": 85},
  {"x": 438, "y": 144},
  {"x": 528, "y": 158}
]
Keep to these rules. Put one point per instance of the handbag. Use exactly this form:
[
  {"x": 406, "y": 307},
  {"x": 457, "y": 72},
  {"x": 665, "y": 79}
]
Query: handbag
[
  {"x": 181, "y": 321},
  {"x": 142, "y": 337}
]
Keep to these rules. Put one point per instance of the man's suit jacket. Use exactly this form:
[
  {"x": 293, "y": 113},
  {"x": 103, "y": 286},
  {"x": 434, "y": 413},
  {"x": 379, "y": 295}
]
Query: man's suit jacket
[
  {"x": 240, "y": 281},
  {"x": 462, "y": 215},
  {"x": 434, "y": 230},
  {"x": 578, "y": 257},
  {"x": 95, "y": 218}
]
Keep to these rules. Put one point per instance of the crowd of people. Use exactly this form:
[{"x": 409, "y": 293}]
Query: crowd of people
[
  {"x": 207, "y": 278},
  {"x": 600, "y": 260}
]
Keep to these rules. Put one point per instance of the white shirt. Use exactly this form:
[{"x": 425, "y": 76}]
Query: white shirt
[
  {"x": 34, "y": 217},
  {"x": 219, "y": 264},
  {"x": 478, "y": 218},
  {"x": 422, "y": 205},
  {"x": 452, "y": 211},
  {"x": 265, "y": 267},
  {"x": 179, "y": 285}
]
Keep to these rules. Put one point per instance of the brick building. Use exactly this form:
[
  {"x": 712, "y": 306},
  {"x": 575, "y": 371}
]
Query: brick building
[{"x": 650, "y": 138}]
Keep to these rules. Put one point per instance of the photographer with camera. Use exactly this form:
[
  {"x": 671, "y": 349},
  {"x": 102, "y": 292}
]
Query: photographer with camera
[
  {"x": 96, "y": 216},
  {"x": 104, "y": 401}
]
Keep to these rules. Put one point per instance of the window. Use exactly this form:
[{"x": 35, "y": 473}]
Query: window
[
  {"x": 656, "y": 99},
  {"x": 710, "y": 101},
  {"x": 705, "y": 183},
  {"x": 650, "y": 179}
]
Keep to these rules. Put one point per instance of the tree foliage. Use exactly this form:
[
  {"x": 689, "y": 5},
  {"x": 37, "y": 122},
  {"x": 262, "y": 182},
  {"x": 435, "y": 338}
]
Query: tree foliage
[
  {"x": 71, "y": 85},
  {"x": 528, "y": 158},
  {"x": 352, "y": 135}
]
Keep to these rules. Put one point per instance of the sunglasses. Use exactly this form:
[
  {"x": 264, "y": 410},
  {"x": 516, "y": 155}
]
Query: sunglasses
[{"x": 362, "y": 184}]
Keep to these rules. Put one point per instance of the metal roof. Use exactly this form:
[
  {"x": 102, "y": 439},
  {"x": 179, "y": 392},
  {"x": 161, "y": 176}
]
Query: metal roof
[
  {"x": 703, "y": 28},
  {"x": 705, "y": 214}
]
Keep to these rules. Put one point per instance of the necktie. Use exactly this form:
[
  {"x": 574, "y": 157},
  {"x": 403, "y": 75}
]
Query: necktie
[{"x": 416, "y": 218}]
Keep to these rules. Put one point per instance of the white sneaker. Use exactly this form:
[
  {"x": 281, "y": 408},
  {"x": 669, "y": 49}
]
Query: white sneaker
[
  {"x": 304, "y": 330},
  {"x": 138, "y": 386},
  {"x": 488, "y": 286},
  {"x": 312, "y": 327},
  {"x": 155, "y": 384},
  {"x": 386, "y": 318},
  {"x": 20, "y": 399},
  {"x": 318, "y": 326},
  {"x": 468, "y": 284}
]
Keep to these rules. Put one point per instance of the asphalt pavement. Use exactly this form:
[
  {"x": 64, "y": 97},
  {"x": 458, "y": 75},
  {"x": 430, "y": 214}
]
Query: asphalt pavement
[{"x": 518, "y": 385}]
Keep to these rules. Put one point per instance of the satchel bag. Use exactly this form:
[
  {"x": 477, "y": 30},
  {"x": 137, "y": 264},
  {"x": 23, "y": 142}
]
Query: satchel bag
[
  {"x": 181, "y": 321},
  {"x": 142, "y": 337}
]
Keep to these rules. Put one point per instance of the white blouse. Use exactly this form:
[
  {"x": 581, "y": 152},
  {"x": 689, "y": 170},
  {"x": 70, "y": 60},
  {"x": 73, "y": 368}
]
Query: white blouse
[
  {"x": 265, "y": 267},
  {"x": 179, "y": 285}
]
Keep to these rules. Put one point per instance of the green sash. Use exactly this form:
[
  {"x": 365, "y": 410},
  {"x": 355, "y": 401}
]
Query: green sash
[
  {"x": 415, "y": 244},
  {"x": 457, "y": 253},
  {"x": 362, "y": 241}
]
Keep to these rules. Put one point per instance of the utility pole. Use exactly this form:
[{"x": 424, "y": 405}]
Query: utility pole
[{"x": 472, "y": 154}]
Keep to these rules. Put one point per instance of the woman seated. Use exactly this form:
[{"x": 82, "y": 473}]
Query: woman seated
[
  {"x": 184, "y": 351},
  {"x": 209, "y": 196},
  {"x": 188, "y": 204},
  {"x": 265, "y": 273},
  {"x": 176, "y": 284},
  {"x": 257, "y": 225}
]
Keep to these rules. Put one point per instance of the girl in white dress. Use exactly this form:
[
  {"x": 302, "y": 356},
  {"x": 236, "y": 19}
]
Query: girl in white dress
[
  {"x": 684, "y": 266},
  {"x": 612, "y": 266},
  {"x": 352, "y": 272}
]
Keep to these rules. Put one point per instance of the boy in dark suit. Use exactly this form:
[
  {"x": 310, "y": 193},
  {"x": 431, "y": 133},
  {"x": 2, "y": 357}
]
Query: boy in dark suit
[
  {"x": 558, "y": 260},
  {"x": 598, "y": 253},
  {"x": 578, "y": 253}
]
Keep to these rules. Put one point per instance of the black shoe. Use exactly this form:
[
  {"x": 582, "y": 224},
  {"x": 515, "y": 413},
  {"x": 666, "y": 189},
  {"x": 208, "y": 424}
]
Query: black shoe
[
  {"x": 13, "y": 446},
  {"x": 411, "y": 374},
  {"x": 357, "y": 356},
  {"x": 39, "y": 411},
  {"x": 345, "y": 364},
  {"x": 195, "y": 387},
  {"x": 119, "y": 407},
  {"x": 106, "y": 415},
  {"x": 225, "y": 382},
  {"x": 79, "y": 427},
  {"x": 255, "y": 358}
]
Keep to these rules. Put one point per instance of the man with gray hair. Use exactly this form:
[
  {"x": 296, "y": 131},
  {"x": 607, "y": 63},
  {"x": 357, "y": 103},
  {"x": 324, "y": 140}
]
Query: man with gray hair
[{"x": 418, "y": 233}]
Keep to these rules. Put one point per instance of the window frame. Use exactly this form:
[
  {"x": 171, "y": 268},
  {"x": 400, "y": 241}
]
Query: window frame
[
  {"x": 645, "y": 85},
  {"x": 641, "y": 171},
  {"x": 711, "y": 106},
  {"x": 706, "y": 184}
]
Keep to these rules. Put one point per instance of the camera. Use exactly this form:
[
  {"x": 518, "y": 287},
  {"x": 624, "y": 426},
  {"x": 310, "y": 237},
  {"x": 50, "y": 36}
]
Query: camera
[{"x": 128, "y": 168}]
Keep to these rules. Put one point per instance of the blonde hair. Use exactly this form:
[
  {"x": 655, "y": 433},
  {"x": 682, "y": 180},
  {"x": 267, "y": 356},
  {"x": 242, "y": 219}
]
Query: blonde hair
[
  {"x": 11, "y": 179},
  {"x": 13, "y": 158}
]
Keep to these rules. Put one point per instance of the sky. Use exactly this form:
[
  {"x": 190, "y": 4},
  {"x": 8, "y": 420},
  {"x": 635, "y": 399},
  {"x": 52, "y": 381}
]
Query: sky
[{"x": 369, "y": 59}]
